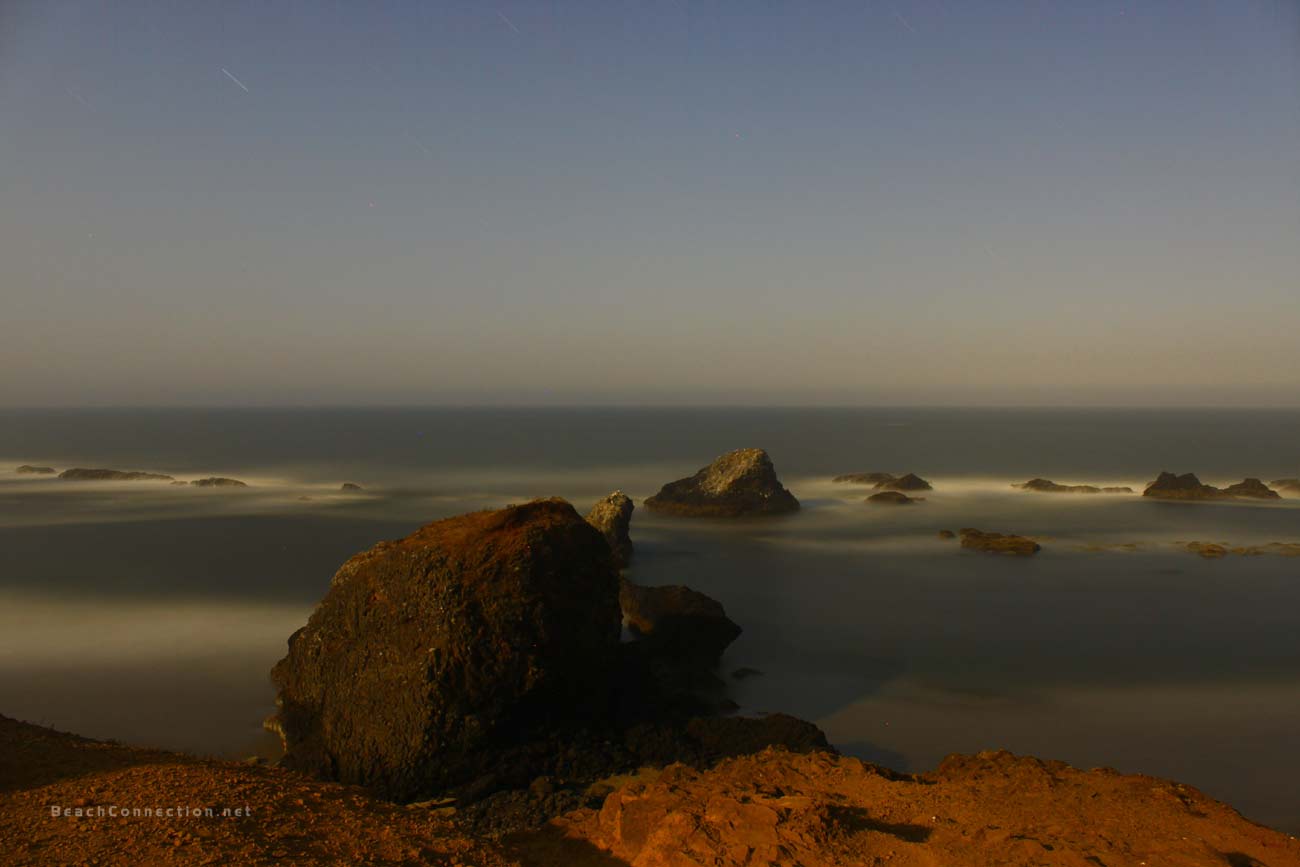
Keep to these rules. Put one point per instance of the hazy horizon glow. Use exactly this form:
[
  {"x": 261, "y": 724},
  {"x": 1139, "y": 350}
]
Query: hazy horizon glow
[{"x": 404, "y": 203}]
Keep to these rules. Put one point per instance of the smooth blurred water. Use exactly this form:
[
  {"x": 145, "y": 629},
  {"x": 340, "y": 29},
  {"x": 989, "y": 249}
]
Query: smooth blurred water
[{"x": 152, "y": 613}]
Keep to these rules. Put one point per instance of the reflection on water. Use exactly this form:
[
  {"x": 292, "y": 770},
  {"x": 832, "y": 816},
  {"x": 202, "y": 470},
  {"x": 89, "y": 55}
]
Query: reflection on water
[{"x": 152, "y": 613}]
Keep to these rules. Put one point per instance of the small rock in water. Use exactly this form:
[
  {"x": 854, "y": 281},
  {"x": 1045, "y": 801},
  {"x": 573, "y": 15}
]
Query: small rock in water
[{"x": 998, "y": 543}]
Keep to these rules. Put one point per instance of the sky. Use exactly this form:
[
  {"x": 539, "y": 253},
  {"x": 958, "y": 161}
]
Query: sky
[{"x": 853, "y": 203}]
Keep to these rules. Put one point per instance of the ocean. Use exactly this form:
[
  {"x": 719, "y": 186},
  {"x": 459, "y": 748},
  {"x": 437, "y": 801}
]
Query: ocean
[{"x": 151, "y": 613}]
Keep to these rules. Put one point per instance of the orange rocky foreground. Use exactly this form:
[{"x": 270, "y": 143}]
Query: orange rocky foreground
[{"x": 771, "y": 808}]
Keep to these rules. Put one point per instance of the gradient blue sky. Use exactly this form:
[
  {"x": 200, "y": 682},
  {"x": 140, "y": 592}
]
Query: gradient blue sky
[{"x": 679, "y": 202}]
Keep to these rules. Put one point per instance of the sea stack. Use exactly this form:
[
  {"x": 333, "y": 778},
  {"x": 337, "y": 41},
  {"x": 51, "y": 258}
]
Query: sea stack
[
  {"x": 28, "y": 469},
  {"x": 1252, "y": 489},
  {"x": 742, "y": 482},
  {"x": 612, "y": 516},
  {"x": 1047, "y": 486},
  {"x": 430, "y": 653},
  {"x": 909, "y": 482},
  {"x": 81, "y": 474},
  {"x": 218, "y": 482},
  {"x": 1168, "y": 486}
]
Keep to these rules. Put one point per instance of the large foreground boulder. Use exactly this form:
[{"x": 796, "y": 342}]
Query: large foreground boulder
[
  {"x": 612, "y": 516},
  {"x": 739, "y": 483},
  {"x": 429, "y": 653}
]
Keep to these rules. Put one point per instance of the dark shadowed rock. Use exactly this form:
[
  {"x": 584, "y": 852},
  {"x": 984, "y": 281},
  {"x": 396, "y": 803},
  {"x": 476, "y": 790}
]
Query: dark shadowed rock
[
  {"x": 998, "y": 543},
  {"x": 739, "y": 483},
  {"x": 864, "y": 478},
  {"x": 612, "y": 516},
  {"x": 1286, "y": 486},
  {"x": 735, "y": 736},
  {"x": 909, "y": 482},
  {"x": 1045, "y": 486},
  {"x": 350, "y": 487},
  {"x": 1252, "y": 489},
  {"x": 890, "y": 498},
  {"x": 431, "y": 655},
  {"x": 677, "y": 621},
  {"x": 218, "y": 482},
  {"x": 81, "y": 474},
  {"x": 28, "y": 469},
  {"x": 947, "y": 534}
]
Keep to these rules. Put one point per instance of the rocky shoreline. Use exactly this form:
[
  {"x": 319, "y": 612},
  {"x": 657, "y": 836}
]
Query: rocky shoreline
[{"x": 815, "y": 809}]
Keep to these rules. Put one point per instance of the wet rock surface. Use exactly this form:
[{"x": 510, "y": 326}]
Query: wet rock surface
[{"x": 739, "y": 483}]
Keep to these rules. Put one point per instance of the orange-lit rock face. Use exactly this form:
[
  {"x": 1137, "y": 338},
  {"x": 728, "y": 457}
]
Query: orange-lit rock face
[
  {"x": 819, "y": 810},
  {"x": 425, "y": 651}
]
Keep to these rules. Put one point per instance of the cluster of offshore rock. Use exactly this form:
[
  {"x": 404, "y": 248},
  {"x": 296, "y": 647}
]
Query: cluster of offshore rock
[
  {"x": 482, "y": 656},
  {"x": 1046, "y": 486},
  {"x": 1169, "y": 486}
]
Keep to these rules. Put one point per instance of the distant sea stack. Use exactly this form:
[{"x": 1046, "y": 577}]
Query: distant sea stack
[
  {"x": 739, "y": 483},
  {"x": 612, "y": 516},
  {"x": 28, "y": 469},
  {"x": 351, "y": 488},
  {"x": 1253, "y": 489},
  {"x": 1045, "y": 486},
  {"x": 431, "y": 653},
  {"x": 1168, "y": 486},
  {"x": 998, "y": 543},
  {"x": 1188, "y": 487},
  {"x": 81, "y": 474},
  {"x": 218, "y": 482},
  {"x": 909, "y": 482},
  {"x": 864, "y": 478}
]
